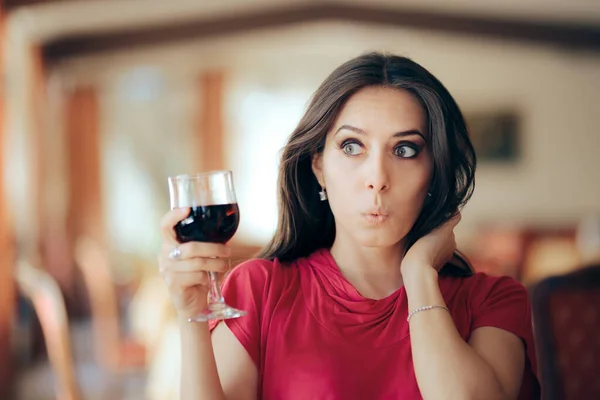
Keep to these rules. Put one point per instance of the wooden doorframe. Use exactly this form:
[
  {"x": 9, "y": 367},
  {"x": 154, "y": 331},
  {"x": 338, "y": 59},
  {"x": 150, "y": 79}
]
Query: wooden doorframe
[{"x": 7, "y": 251}]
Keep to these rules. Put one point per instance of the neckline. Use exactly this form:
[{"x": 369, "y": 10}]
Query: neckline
[
  {"x": 350, "y": 289},
  {"x": 342, "y": 310}
]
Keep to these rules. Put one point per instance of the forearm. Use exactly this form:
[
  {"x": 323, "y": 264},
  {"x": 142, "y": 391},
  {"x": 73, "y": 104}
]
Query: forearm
[
  {"x": 199, "y": 377},
  {"x": 446, "y": 367}
]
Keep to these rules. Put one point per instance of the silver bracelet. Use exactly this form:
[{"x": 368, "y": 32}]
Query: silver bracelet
[{"x": 424, "y": 308}]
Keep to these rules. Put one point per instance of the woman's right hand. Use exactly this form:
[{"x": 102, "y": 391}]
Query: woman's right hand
[{"x": 186, "y": 275}]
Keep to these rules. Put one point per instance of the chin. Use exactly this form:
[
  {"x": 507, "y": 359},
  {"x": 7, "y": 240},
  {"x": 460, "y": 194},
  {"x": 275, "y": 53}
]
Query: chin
[{"x": 378, "y": 239}]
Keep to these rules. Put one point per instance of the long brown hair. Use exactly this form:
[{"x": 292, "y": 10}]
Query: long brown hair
[{"x": 307, "y": 224}]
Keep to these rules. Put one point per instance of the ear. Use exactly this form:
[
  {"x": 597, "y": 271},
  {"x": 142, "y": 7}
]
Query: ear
[{"x": 317, "y": 168}]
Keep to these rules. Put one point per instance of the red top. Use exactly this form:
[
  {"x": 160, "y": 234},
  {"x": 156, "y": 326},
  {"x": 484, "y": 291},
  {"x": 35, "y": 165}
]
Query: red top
[{"x": 313, "y": 336}]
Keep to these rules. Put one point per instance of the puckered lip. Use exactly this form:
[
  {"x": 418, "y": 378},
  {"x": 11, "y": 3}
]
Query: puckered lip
[{"x": 376, "y": 212}]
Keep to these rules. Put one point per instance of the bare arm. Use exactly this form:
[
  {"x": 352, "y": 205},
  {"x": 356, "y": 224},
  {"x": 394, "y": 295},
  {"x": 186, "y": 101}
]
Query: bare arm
[
  {"x": 199, "y": 377},
  {"x": 237, "y": 371},
  {"x": 489, "y": 367},
  {"x": 218, "y": 371}
]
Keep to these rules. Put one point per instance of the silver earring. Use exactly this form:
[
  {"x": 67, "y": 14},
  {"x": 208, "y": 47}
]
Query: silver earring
[
  {"x": 429, "y": 194},
  {"x": 323, "y": 194}
]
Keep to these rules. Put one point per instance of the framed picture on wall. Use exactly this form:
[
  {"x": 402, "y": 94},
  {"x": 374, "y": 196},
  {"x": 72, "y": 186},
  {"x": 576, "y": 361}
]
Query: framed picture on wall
[{"x": 496, "y": 136}]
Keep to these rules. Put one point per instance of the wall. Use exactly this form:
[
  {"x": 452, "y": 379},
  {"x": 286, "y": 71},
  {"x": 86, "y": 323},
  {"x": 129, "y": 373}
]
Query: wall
[{"x": 557, "y": 92}]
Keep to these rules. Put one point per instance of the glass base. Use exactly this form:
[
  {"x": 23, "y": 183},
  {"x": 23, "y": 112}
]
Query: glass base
[{"x": 217, "y": 311}]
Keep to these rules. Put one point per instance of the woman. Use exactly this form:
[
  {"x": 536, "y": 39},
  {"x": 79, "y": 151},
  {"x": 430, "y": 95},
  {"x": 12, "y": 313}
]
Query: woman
[{"x": 360, "y": 294}]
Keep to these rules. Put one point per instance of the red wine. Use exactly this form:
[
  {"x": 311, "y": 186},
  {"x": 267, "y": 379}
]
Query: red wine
[{"x": 216, "y": 224}]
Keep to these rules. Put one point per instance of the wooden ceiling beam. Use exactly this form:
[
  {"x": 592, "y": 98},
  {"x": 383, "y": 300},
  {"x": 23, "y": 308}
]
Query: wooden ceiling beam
[{"x": 569, "y": 36}]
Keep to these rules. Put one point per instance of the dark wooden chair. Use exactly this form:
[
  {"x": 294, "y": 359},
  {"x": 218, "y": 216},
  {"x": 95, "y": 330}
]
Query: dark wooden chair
[{"x": 566, "y": 312}]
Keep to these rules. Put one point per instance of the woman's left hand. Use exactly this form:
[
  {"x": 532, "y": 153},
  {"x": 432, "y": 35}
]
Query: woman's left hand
[{"x": 433, "y": 250}]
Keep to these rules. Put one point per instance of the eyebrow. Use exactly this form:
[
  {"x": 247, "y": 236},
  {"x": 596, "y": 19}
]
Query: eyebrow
[{"x": 410, "y": 132}]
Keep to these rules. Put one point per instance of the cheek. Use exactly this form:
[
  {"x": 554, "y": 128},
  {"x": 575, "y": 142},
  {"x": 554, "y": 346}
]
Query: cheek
[
  {"x": 411, "y": 174},
  {"x": 339, "y": 172},
  {"x": 341, "y": 181},
  {"x": 415, "y": 178},
  {"x": 414, "y": 183}
]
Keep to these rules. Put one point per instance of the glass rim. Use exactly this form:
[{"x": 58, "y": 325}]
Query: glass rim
[{"x": 198, "y": 175}]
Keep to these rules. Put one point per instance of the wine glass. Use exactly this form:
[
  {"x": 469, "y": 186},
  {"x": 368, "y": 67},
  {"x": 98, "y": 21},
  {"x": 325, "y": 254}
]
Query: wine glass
[{"x": 214, "y": 217}]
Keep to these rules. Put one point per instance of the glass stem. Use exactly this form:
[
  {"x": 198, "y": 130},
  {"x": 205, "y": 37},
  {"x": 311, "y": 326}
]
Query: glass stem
[{"x": 214, "y": 295}]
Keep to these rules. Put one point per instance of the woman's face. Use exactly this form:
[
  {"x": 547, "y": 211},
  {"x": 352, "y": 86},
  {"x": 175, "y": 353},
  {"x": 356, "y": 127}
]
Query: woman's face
[{"x": 376, "y": 166}]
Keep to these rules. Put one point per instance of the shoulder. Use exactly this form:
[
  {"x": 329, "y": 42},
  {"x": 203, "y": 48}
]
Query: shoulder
[
  {"x": 498, "y": 301},
  {"x": 480, "y": 286},
  {"x": 483, "y": 284},
  {"x": 489, "y": 296},
  {"x": 259, "y": 272},
  {"x": 503, "y": 302},
  {"x": 484, "y": 288},
  {"x": 257, "y": 268}
]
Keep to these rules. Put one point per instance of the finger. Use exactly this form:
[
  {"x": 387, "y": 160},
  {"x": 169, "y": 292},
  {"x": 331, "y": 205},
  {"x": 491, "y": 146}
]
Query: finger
[
  {"x": 200, "y": 249},
  {"x": 456, "y": 219},
  {"x": 168, "y": 222},
  {"x": 198, "y": 264},
  {"x": 184, "y": 280},
  {"x": 452, "y": 222}
]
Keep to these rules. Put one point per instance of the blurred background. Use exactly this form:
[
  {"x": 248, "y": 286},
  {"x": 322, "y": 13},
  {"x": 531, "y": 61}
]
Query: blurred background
[{"x": 102, "y": 100}]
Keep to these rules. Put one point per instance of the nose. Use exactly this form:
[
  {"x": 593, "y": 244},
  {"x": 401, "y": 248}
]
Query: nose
[{"x": 377, "y": 174}]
